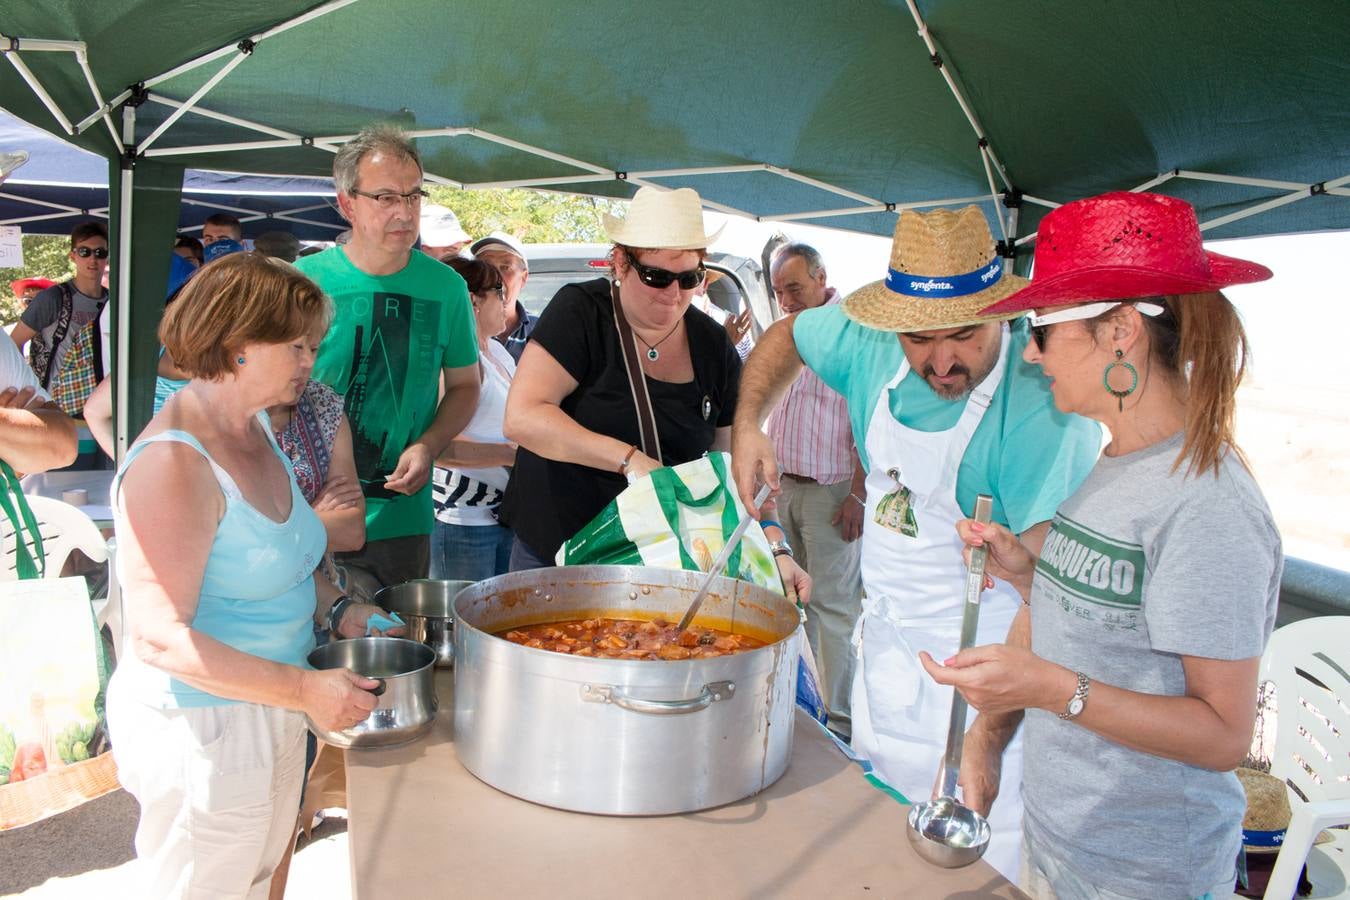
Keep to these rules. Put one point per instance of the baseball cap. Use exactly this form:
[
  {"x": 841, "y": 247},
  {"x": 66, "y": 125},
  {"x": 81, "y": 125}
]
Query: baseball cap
[
  {"x": 440, "y": 226},
  {"x": 500, "y": 240}
]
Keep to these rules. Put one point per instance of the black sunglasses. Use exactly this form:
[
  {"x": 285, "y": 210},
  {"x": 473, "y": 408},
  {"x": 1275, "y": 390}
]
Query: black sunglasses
[
  {"x": 95, "y": 252},
  {"x": 1038, "y": 334},
  {"x": 661, "y": 278}
]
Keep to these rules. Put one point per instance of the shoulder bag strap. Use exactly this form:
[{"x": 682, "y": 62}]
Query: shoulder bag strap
[
  {"x": 15, "y": 507},
  {"x": 637, "y": 379},
  {"x": 59, "y": 334}
]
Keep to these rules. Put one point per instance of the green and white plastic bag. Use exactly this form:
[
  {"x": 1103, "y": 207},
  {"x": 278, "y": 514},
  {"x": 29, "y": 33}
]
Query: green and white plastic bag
[
  {"x": 680, "y": 518},
  {"x": 676, "y": 518}
]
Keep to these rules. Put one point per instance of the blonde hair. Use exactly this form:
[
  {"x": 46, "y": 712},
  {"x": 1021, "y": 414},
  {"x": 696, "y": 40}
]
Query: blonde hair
[{"x": 240, "y": 299}]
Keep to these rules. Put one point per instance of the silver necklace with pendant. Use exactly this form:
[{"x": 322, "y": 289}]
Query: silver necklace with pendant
[{"x": 652, "y": 353}]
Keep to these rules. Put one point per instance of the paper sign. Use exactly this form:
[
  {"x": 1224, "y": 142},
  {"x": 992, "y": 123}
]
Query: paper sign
[{"x": 11, "y": 247}]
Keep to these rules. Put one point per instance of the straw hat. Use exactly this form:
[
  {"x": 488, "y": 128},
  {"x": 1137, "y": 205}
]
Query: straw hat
[
  {"x": 1268, "y": 812},
  {"x": 662, "y": 220},
  {"x": 943, "y": 272},
  {"x": 1121, "y": 246}
]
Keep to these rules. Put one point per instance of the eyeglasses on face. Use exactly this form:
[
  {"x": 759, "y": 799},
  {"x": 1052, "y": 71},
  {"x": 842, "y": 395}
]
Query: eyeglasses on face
[
  {"x": 95, "y": 252},
  {"x": 661, "y": 278},
  {"x": 388, "y": 200},
  {"x": 1040, "y": 324}
]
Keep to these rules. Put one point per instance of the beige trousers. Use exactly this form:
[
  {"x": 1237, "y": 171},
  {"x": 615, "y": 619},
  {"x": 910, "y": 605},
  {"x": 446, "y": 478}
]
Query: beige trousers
[
  {"x": 218, "y": 786},
  {"x": 805, "y": 510}
]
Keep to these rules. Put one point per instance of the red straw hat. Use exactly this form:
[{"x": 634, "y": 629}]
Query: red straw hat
[
  {"x": 23, "y": 284},
  {"x": 1120, "y": 246}
]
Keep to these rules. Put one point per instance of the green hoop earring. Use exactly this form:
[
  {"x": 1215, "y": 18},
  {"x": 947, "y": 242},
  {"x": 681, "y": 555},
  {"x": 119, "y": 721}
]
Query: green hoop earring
[{"x": 1134, "y": 380}]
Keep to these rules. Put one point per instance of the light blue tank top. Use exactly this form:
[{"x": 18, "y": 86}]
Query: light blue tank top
[{"x": 257, "y": 591}]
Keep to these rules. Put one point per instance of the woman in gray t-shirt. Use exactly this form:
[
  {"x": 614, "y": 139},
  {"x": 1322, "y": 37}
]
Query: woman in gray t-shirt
[{"x": 1152, "y": 597}]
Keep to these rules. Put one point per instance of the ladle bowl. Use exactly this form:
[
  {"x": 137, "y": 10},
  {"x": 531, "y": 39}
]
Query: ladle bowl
[{"x": 947, "y": 834}]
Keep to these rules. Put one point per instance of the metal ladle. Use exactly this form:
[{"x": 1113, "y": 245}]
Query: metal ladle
[{"x": 943, "y": 831}]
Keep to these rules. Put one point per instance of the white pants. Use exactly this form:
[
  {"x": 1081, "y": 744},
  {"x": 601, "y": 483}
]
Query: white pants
[{"x": 219, "y": 789}]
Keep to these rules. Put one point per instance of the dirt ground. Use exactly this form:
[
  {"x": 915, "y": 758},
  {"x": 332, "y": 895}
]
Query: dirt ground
[{"x": 86, "y": 853}]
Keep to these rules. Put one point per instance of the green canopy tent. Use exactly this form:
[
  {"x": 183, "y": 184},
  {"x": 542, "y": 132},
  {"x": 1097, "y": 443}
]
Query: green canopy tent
[{"x": 837, "y": 113}]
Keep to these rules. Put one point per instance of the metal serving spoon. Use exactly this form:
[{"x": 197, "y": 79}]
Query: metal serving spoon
[
  {"x": 943, "y": 831},
  {"x": 721, "y": 562}
]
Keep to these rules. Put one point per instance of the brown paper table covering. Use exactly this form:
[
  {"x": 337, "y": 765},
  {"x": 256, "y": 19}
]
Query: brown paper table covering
[{"x": 421, "y": 826}]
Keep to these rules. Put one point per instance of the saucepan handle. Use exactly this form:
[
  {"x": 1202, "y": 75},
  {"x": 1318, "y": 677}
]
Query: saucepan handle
[{"x": 613, "y": 693}]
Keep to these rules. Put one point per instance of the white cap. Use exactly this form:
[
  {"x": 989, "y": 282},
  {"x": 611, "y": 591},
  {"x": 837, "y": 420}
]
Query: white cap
[
  {"x": 440, "y": 226},
  {"x": 500, "y": 240}
]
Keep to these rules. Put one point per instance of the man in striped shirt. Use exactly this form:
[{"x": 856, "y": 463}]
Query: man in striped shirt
[{"x": 821, "y": 504}]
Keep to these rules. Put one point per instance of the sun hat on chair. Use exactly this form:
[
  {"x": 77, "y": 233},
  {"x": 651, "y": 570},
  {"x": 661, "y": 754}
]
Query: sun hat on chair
[
  {"x": 943, "y": 272},
  {"x": 1121, "y": 246},
  {"x": 662, "y": 220}
]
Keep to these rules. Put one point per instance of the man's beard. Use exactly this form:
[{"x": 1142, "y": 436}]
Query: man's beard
[{"x": 957, "y": 391}]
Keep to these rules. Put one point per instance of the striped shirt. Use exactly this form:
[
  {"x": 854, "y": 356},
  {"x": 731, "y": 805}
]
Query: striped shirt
[{"x": 810, "y": 427}]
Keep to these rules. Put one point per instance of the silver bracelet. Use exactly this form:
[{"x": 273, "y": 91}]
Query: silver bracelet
[{"x": 860, "y": 500}]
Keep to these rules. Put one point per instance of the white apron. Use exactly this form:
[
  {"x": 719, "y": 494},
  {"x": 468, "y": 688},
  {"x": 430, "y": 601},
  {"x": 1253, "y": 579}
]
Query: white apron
[{"x": 914, "y": 579}]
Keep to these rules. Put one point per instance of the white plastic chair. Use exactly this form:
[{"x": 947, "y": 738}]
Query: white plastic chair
[
  {"x": 63, "y": 527},
  {"x": 1309, "y": 664}
]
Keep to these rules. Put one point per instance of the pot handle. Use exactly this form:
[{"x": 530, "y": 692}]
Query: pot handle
[
  {"x": 613, "y": 693},
  {"x": 378, "y": 689}
]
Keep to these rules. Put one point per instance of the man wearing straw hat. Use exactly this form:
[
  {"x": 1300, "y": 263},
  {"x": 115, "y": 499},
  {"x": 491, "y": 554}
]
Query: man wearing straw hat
[{"x": 942, "y": 409}]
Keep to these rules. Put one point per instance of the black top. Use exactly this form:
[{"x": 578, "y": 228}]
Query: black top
[{"x": 546, "y": 501}]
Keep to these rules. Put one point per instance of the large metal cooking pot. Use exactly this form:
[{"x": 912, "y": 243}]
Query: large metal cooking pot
[
  {"x": 425, "y": 605},
  {"x": 623, "y": 736},
  {"x": 407, "y": 691}
]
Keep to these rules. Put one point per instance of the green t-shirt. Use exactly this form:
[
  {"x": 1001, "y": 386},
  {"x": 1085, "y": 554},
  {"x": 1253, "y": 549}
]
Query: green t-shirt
[
  {"x": 1025, "y": 453},
  {"x": 391, "y": 336}
]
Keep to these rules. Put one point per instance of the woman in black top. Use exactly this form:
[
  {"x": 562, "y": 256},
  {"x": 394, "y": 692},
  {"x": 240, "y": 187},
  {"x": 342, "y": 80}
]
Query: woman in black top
[{"x": 571, "y": 408}]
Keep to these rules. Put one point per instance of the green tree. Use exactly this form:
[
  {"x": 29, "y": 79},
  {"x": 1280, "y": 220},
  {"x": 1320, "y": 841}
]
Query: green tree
[
  {"x": 536, "y": 217},
  {"x": 44, "y": 256}
]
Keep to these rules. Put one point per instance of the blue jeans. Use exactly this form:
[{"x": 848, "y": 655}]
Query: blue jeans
[
  {"x": 523, "y": 557},
  {"x": 469, "y": 552}
]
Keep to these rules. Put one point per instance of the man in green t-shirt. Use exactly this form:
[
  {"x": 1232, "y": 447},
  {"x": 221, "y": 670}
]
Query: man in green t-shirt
[
  {"x": 942, "y": 409},
  {"x": 403, "y": 329}
]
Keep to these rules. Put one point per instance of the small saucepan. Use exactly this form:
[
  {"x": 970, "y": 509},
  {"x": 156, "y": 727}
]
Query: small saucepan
[
  {"x": 407, "y": 690},
  {"x": 426, "y": 606}
]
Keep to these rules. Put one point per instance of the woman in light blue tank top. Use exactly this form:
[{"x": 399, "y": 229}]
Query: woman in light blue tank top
[{"x": 216, "y": 553}]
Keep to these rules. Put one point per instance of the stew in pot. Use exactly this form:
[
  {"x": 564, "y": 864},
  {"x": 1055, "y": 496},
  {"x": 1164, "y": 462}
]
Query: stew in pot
[{"x": 630, "y": 639}]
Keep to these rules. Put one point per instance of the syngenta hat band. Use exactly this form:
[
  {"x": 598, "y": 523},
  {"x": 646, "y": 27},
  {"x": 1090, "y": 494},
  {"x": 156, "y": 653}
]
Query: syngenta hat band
[{"x": 940, "y": 287}]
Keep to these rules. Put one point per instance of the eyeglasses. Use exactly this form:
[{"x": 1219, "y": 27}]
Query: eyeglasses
[
  {"x": 1040, "y": 325},
  {"x": 95, "y": 252},
  {"x": 387, "y": 200},
  {"x": 661, "y": 278}
]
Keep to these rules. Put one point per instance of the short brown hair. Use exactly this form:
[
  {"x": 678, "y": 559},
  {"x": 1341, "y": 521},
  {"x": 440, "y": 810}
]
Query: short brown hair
[
  {"x": 86, "y": 230},
  {"x": 240, "y": 299}
]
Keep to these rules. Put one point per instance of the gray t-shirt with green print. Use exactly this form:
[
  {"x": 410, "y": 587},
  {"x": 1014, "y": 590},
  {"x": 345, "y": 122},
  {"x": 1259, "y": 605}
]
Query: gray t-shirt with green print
[{"x": 1143, "y": 566}]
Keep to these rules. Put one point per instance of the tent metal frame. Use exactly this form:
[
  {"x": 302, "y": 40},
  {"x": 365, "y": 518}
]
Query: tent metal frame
[{"x": 1005, "y": 201}]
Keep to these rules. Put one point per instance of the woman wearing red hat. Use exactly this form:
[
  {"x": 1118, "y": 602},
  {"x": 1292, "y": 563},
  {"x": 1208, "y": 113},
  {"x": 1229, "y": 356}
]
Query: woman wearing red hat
[{"x": 1155, "y": 590}]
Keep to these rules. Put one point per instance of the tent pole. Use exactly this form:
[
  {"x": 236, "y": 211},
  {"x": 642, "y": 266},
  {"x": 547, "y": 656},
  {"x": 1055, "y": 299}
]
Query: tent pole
[
  {"x": 223, "y": 117},
  {"x": 196, "y": 96},
  {"x": 944, "y": 69},
  {"x": 205, "y": 58},
  {"x": 879, "y": 207},
  {"x": 82, "y": 57},
  {"x": 27, "y": 75},
  {"x": 223, "y": 148},
  {"x": 539, "y": 182},
  {"x": 1154, "y": 182},
  {"x": 824, "y": 186},
  {"x": 103, "y": 110},
  {"x": 121, "y": 369},
  {"x": 1259, "y": 208}
]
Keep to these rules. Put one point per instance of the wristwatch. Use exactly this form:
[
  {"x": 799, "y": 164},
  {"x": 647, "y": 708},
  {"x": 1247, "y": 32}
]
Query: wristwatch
[
  {"x": 336, "y": 610},
  {"x": 780, "y": 548},
  {"x": 1078, "y": 701}
]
